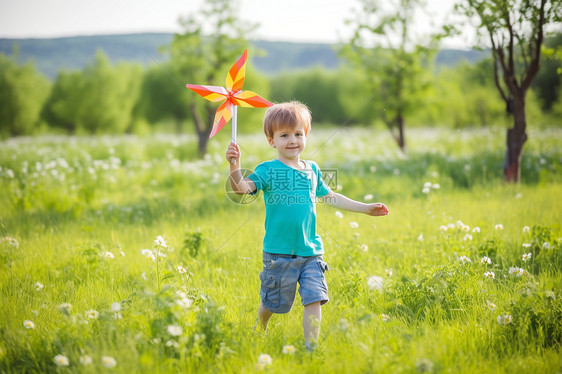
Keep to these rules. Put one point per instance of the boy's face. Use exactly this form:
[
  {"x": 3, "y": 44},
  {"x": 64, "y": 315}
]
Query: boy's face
[{"x": 290, "y": 143}]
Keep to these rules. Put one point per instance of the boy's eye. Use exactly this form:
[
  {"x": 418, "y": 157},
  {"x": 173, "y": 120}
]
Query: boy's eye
[{"x": 284, "y": 135}]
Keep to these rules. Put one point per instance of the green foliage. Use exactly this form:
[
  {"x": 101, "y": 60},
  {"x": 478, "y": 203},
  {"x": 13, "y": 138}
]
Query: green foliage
[
  {"x": 319, "y": 89},
  {"x": 97, "y": 100},
  {"x": 22, "y": 93},
  {"x": 194, "y": 242},
  {"x": 548, "y": 82},
  {"x": 161, "y": 98}
]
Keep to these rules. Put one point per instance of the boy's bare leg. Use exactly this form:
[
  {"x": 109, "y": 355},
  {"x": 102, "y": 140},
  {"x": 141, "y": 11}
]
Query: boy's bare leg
[
  {"x": 311, "y": 323},
  {"x": 263, "y": 317}
]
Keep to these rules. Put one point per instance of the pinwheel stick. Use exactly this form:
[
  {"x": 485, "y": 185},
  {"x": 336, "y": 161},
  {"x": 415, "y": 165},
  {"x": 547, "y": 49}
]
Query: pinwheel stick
[{"x": 234, "y": 117}]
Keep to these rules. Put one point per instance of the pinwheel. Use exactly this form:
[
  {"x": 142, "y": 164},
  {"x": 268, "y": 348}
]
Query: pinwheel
[{"x": 233, "y": 96}]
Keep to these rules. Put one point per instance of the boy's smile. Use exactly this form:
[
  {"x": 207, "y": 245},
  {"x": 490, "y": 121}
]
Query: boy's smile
[{"x": 290, "y": 143}]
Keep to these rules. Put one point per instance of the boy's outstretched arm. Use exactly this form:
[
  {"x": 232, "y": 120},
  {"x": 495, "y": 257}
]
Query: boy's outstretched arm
[
  {"x": 240, "y": 185},
  {"x": 340, "y": 201}
]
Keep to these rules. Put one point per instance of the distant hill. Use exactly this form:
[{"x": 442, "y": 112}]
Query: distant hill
[{"x": 71, "y": 53}]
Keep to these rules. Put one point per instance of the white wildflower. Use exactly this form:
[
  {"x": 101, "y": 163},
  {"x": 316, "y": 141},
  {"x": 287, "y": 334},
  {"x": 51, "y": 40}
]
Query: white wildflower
[
  {"x": 527, "y": 256},
  {"x": 420, "y": 238},
  {"x": 526, "y": 229},
  {"x": 388, "y": 272},
  {"x": 265, "y": 359},
  {"x": 143, "y": 275},
  {"x": 184, "y": 302},
  {"x": 92, "y": 314},
  {"x": 289, "y": 349},
  {"x": 28, "y": 324},
  {"x": 181, "y": 269},
  {"x": 465, "y": 228},
  {"x": 353, "y": 224},
  {"x": 368, "y": 197},
  {"x": 546, "y": 245},
  {"x": 108, "y": 255},
  {"x": 516, "y": 271},
  {"x": 364, "y": 247},
  {"x": 464, "y": 259},
  {"x": 85, "y": 360},
  {"x": 116, "y": 306},
  {"x": 38, "y": 286},
  {"x": 146, "y": 252},
  {"x": 65, "y": 308},
  {"x": 12, "y": 242},
  {"x": 385, "y": 317},
  {"x": 172, "y": 343},
  {"x": 489, "y": 274},
  {"x": 504, "y": 319},
  {"x": 486, "y": 260},
  {"x": 451, "y": 226},
  {"x": 160, "y": 242},
  {"x": 427, "y": 184},
  {"x": 526, "y": 245},
  {"x": 443, "y": 228},
  {"x": 425, "y": 190},
  {"x": 61, "y": 360},
  {"x": 499, "y": 227},
  {"x": 339, "y": 214},
  {"x": 491, "y": 306},
  {"x": 476, "y": 230},
  {"x": 174, "y": 330},
  {"x": 108, "y": 361},
  {"x": 467, "y": 237},
  {"x": 459, "y": 224},
  {"x": 375, "y": 283}
]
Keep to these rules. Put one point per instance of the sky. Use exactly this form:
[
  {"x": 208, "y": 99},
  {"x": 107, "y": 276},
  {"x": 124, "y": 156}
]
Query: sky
[{"x": 280, "y": 20}]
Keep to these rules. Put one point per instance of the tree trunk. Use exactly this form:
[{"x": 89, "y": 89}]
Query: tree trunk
[
  {"x": 401, "y": 138},
  {"x": 201, "y": 129},
  {"x": 516, "y": 138},
  {"x": 178, "y": 123},
  {"x": 203, "y": 141}
]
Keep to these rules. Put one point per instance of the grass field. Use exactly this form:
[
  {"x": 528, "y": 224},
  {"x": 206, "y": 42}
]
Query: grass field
[{"x": 463, "y": 276}]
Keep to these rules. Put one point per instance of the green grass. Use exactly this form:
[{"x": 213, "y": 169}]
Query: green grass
[{"x": 68, "y": 201}]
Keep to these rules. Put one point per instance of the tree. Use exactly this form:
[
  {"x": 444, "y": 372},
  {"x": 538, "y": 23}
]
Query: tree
[
  {"x": 383, "y": 47},
  {"x": 515, "y": 30},
  {"x": 22, "y": 94},
  {"x": 159, "y": 99},
  {"x": 99, "y": 99},
  {"x": 549, "y": 78},
  {"x": 203, "y": 56}
]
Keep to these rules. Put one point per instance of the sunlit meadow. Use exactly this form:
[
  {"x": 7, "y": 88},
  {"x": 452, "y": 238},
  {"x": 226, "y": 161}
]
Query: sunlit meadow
[{"x": 125, "y": 254}]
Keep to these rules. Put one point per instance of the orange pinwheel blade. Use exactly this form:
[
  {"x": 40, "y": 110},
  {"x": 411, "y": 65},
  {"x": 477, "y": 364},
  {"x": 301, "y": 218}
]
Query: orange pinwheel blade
[
  {"x": 211, "y": 93},
  {"x": 249, "y": 99},
  {"x": 235, "y": 77},
  {"x": 222, "y": 116}
]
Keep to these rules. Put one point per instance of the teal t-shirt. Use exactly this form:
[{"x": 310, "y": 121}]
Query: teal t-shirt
[{"x": 290, "y": 207}]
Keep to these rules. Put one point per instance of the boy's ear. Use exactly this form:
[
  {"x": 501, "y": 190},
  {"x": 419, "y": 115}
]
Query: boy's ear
[{"x": 271, "y": 143}]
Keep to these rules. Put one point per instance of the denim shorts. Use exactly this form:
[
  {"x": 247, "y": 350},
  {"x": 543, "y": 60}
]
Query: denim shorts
[{"x": 280, "y": 276}]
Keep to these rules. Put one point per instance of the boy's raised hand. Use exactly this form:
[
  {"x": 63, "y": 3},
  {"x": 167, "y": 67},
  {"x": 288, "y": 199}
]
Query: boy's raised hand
[
  {"x": 377, "y": 209},
  {"x": 233, "y": 152}
]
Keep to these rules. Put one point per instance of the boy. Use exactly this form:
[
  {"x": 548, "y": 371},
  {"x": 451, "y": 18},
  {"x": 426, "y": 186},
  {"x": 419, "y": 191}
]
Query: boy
[{"x": 292, "y": 249}]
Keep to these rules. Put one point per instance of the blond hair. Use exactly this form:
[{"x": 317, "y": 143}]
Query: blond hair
[{"x": 286, "y": 116}]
